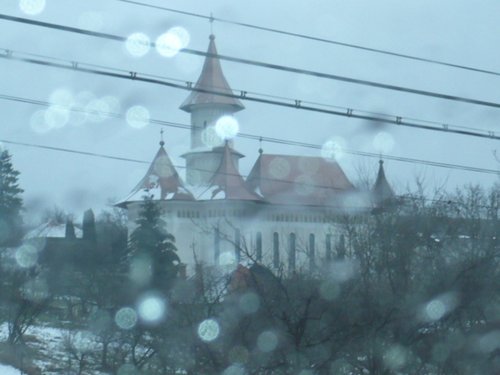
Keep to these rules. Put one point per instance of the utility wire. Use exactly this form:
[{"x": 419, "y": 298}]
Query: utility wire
[
  {"x": 249, "y": 136},
  {"x": 189, "y": 86},
  {"x": 314, "y": 38},
  {"x": 267, "y": 65}
]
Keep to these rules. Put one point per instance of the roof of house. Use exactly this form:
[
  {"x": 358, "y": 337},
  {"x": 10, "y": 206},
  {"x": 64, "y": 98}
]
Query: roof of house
[
  {"x": 302, "y": 180},
  {"x": 211, "y": 78}
]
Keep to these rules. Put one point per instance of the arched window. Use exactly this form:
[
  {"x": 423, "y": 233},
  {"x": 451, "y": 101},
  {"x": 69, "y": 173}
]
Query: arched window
[
  {"x": 328, "y": 252},
  {"x": 276, "y": 250},
  {"x": 312, "y": 251},
  {"x": 258, "y": 247},
  {"x": 237, "y": 245},
  {"x": 291, "y": 252}
]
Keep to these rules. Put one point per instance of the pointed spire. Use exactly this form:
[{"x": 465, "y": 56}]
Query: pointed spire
[
  {"x": 227, "y": 179},
  {"x": 162, "y": 142},
  {"x": 382, "y": 191},
  {"x": 211, "y": 78},
  {"x": 161, "y": 181}
]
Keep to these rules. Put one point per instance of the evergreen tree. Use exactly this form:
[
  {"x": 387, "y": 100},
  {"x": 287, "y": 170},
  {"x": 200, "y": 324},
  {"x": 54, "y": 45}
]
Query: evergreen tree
[
  {"x": 10, "y": 202},
  {"x": 152, "y": 252}
]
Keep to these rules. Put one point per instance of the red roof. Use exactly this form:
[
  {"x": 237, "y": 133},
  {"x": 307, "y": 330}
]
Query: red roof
[
  {"x": 211, "y": 78},
  {"x": 302, "y": 180},
  {"x": 227, "y": 182},
  {"x": 161, "y": 180}
]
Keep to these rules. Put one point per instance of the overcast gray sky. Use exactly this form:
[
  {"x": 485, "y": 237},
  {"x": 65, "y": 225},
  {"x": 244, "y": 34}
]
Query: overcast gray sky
[{"x": 458, "y": 31}]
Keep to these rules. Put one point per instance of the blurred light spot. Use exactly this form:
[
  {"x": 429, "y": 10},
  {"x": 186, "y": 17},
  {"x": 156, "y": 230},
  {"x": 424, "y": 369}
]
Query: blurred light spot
[
  {"x": 304, "y": 185},
  {"x": 137, "y": 117},
  {"x": 210, "y": 138},
  {"x": 32, "y": 7},
  {"x": 395, "y": 357},
  {"x": 329, "y": 290},
  {"x": 439, "y": 306},
  {"x": 35, "y": 289},
  {"x": 168, "y": 45},
  {"x": 333, "y": 149},
  {"x": 126, "y": 318},
  {"x": 128, "y": 369},
  {"x": 227, "y": 258},
  {"x": 208, "y": 330},
  {"x": 279, "y": 168},
  {"x": 227, "y": 127},
  {"x": 249, "y": 303},
  {"x": 162, "y": 167},
  {"x": 238, "y": 354},
  {"x": 267, "y": 341},
  {"x": 56, "y": 116},
  {"x": 138, "y": 44},
  {"x": 182, "y": 34},
  {"x": 91, "y": 21},
  {"x": 236, "y": 369},
  {"x": 62, "y": 97},
  {"x": 343, "y": 270},
  {"x": 98, "y": 109},
  {"x": 152, "y": 309},
  {"x": 26, "y": 256},
  {"x": 38, "y": 123},
  {"x": 308, "y": 165},
  {"x": 490, "y": 342},
  {"x": 383, "y": 142},
  {"x": 83, "y": 341},
  {"x": 112, "y": 103}
]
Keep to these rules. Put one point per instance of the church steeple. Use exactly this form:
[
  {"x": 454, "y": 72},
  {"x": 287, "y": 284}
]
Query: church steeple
[
  {"x": 206, "y": 108},
  {"x": 382, "y": 191},
  {"x": 212, "y": 79}
]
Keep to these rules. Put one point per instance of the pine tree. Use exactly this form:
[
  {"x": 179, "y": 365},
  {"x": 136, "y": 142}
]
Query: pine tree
[
  {"x": 10, "y": 202},
  {"x": 153, "y": 248}
]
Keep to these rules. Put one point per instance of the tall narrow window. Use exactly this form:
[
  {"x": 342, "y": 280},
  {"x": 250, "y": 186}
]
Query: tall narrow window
[
  {"x": 312, "y": 251},
  {"x": 216, "y": 245},
  {"x": 276, "y": 250},
  {"x": 237, "y": 245},
  {"x": 258, "y": 247},
  {"x": 291, "y": 252},
  {"x": 328, "y": 244}
]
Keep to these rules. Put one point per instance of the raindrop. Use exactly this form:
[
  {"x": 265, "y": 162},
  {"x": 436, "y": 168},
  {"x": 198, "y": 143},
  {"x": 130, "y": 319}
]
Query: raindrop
[
  {"x": 138, "y": 44},
  {"x": 56, "y": 117},
  {"x": 26, "y": 256},
  {"x": 210, "y": 138},
  {"x": 267, "y": 341},
  {"x": 227, "y": 127},
  {"x": 227, "y": 258},
  {"x": 279, "y": 168},
  {"x": 395, "y": 358},
  {"x": 83, "y": 341},
  {"x": 383, "y": 142},
  {"x": 126, "y": 318},
  {"x": 152, "y": 309},
  {"x": 333, "y": 149},
  {"x": 169, "y": 44},
  {"x": 304, "y": 185},
  {"x": 32, "y": 7},
  {"x": 98, "y": 109},
  {"x": 62, "y": 97},
  {"x": 440, "y": 306},
  {"x": 137, "y": 117},
  {"x": 38, "y": 123},
  {"x": 208, "y": 330}
]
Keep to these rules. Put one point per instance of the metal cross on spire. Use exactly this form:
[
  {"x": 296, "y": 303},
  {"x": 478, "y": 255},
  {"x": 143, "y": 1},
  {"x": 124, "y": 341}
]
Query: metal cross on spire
[
  {"x": 211, "y": 19},
  {"x": 162, "y": 143}
]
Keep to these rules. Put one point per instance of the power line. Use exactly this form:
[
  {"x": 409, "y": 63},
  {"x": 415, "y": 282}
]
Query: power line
[
  {"x": 317, "y": 39},
  {"x": 267, "y": 65},
  {"x": 264, "y": 99},
  {"x": 248, "y": 136}
]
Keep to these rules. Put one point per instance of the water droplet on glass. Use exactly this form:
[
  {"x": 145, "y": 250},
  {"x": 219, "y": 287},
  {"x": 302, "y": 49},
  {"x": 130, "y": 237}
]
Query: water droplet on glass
[
  {"x": 137, "y": 116},
  {"x": 32, "y": 7},
  {"x": 138, "y": 44},
  {"x": 208, "y": 330}
]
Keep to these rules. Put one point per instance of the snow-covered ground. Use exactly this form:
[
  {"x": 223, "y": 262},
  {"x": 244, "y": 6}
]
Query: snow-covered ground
[{"x": 7, "y": 370}]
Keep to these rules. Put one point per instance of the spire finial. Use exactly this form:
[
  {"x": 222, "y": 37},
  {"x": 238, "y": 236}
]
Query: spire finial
[
  {"x": 162, "y": 143},
  {"x": 212, "y": 19},
  {"x": 260, "y": 146}
]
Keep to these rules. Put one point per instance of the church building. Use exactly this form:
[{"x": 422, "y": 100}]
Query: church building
[{"x": 282, "y": 215}]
